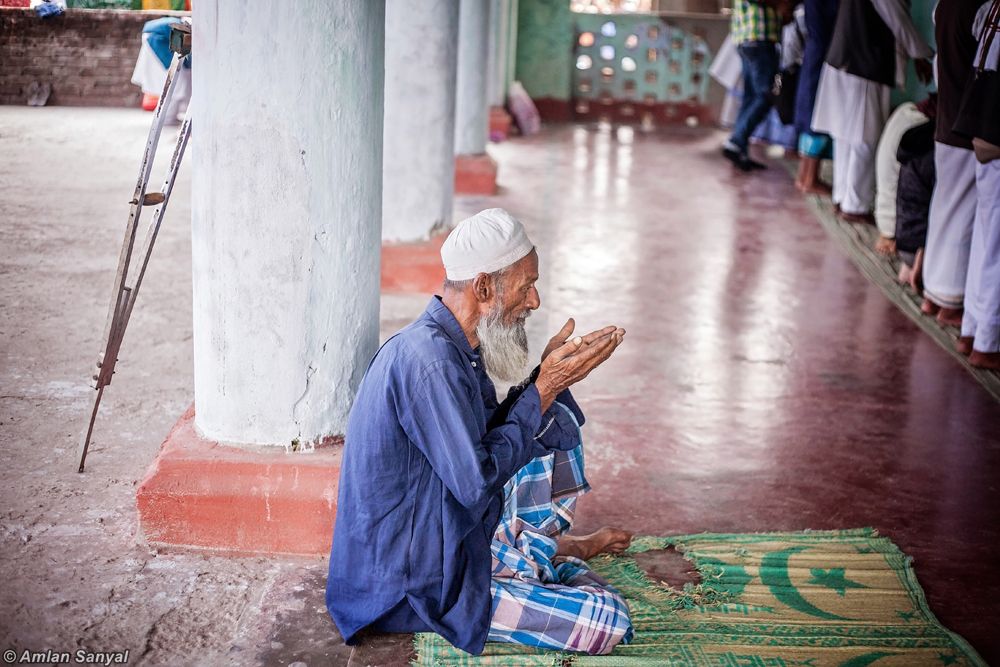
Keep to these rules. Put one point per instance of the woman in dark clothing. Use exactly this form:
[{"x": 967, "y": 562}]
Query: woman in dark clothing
[{"x": 821, "y": 15}]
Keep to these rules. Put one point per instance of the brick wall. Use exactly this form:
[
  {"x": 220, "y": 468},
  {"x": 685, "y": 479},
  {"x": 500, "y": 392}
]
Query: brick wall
[{"x": 86, "y": 55}]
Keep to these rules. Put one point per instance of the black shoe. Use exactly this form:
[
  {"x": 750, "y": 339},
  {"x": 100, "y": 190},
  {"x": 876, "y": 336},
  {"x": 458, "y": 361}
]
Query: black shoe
[
  {"x": 732, "y": 154},
  {"x": 746, "y": 164}
]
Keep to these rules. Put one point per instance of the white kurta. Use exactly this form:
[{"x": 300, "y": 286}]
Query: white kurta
[
  {"x": 905, "y": 117},
  {"x": 853, "y": 109},
  {"x": 982, "y": 289}
]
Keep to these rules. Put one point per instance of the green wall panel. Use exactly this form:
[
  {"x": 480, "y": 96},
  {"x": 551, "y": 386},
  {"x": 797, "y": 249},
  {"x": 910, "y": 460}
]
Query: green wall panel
[{"x": 545, "y": 48}]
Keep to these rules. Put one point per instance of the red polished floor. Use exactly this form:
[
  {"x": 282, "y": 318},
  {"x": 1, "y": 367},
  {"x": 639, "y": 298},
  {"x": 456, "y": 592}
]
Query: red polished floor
[{"x": 764, "y": 384}]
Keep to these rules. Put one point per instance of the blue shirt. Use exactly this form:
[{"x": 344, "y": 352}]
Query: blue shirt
[{"x": 428, "y": 450}]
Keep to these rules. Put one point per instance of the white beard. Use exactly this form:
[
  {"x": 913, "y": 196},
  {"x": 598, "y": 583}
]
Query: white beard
[{"x": 504, "y": 348}]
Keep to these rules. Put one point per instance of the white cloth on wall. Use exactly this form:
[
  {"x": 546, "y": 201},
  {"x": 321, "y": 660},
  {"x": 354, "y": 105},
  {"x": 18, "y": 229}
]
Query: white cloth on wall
[
  {"x": 853, "y": 177},
  {"x": 150, "y": 75},
  {"x": 905, "y": 117},
  {"x": 949, "y": 225},
  {"x": 727, "y": 69},
  {"x": 982, "y": 289}
]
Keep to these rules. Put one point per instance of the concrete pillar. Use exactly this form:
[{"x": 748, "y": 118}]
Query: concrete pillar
[
  {"x": 420, "y": 69},
  {"x": 287, "y": 194},
  {"x": 471, "y": 106},
  {"x": 475, "y": 171},
  {"x": 498, "y": 70},
  {"x": 499, "y": 29},
  {"x": 511, "y": 47}
]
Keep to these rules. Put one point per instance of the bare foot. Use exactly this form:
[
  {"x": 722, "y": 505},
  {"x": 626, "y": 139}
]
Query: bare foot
[
  {"x": 816, "y": 188},
  {"x": 988, "y": 360},
  {"x": 903, "y": 277},
  {"x": 606, "y": 540},
  {"x": 928, "y": 307},
  {"x": 917, "y": 274},
  {"x": 857, "y": 218},
  {"x": 950, "y": 316},
  {"x": 964, "y": 345},
  {"x": 885, "y": 246}
]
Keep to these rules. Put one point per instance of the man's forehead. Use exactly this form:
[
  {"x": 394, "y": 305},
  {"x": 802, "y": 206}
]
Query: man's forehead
[{"x": 528, "y": 266}]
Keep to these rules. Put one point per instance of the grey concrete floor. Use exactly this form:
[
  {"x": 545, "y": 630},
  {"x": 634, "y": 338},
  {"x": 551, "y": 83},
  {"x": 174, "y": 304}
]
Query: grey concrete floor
[{"x": 76, "y": 570}]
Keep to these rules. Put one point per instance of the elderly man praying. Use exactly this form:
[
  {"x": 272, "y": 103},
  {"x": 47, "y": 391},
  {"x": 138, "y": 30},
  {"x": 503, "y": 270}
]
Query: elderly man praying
[{"x": 453, "y": 508}]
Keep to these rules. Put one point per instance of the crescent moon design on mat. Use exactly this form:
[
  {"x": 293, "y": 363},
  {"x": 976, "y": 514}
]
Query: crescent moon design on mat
[
  {"x": 866, "y": 659},
  {"x": 774, "y": 575}
]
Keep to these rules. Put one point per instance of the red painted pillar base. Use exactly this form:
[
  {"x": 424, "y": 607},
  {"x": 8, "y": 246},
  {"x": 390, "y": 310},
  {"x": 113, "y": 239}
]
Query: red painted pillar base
[
  {"x": 199, "y": 494},
  {"x": 500, "y": 122},
  {"x": 475, "y": 175},
  {"x": 413, "y": 268}
]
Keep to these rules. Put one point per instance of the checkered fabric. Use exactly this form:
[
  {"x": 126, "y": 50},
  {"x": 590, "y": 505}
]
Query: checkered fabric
[
  {"x": 753, "y": 21},
  {"x": 539, "y": 599}
]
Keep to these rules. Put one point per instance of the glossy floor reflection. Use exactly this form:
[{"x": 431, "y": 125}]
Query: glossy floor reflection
[{"x": 764, "y": 384}]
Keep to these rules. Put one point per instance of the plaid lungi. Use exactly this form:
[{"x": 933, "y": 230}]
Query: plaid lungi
[{"x": 540, "y": 599}]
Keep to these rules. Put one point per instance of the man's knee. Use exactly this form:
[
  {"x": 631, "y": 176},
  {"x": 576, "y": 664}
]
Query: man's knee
[{"x": 613, "y": 626}]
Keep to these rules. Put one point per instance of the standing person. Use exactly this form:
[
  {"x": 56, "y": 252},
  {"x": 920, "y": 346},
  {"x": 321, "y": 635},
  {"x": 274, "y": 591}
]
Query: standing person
[
  {"x": 953, "y": 208},
  {"x": 865, "y": 60},
  {"x": 978, "y": 118},
  {"x": 755, "y": 29},
  {"x": 820, "y": 16}
]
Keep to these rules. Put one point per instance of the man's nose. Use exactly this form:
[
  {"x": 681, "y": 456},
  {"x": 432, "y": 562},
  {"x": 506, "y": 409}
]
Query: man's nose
[{"x": 534, "y": 301}]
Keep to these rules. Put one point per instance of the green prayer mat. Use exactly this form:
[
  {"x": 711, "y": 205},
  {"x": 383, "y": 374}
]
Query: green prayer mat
[{"x": 847, "y": 597}]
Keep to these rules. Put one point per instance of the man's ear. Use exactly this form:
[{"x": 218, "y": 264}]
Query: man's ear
[{"x": 482, "y": 287}]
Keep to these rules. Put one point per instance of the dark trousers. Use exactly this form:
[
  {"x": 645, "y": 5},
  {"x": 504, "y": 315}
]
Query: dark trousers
[{"x": 760, "y": 64}]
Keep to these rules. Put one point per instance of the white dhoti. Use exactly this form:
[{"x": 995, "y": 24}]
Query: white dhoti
[
  {"x": 982, "y": 287},
  {"x": 853, "y": 177},
  {"x": 904, "y": 118},
  {"x": 853, "y": 111},
  {"x": 949, "y": 225}
]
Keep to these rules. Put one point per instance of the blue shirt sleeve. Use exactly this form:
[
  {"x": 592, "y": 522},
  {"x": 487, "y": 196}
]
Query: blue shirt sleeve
[
  {"x": 559, "y": 430},
  {"x": 473, "y": 466}
]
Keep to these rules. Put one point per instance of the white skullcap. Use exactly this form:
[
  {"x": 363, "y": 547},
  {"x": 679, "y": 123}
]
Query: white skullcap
[{"x": 487, "y": 242}]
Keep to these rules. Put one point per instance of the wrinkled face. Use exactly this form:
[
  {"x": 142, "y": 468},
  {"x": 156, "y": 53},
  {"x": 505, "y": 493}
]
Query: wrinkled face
[
  {"x": 517, "y": 296},
  {"x": 503, "y": 342}
]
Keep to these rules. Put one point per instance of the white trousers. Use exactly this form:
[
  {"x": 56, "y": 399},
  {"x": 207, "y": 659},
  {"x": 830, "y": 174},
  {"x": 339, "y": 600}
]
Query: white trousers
[
  {"x": 949, "y": 225},
  {"x": 982, "y": 287},
  {"x": 853, "y": 177}
]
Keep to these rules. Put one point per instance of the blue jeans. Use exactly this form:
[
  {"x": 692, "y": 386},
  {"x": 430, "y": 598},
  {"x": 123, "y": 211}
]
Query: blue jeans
[{"x": 760, "y": 64}]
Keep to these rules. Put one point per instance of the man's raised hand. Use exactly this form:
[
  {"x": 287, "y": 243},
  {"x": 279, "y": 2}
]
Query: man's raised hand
[
  {"x": 560, "y": 338},
  {"x": 572, "y": 361}
]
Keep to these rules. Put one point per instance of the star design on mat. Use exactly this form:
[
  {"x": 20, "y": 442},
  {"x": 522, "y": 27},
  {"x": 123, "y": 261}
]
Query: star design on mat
[
  {"x": 947, "y": 658},
  {"x": 906, "y": 615},
  {"x": 833, "y": 578}
]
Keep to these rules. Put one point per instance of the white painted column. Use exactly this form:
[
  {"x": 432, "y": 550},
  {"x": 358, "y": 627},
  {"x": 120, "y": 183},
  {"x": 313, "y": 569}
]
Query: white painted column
[
  {"x": 287, "y": 187},
  {"x": 471, "y": 105},
  {"x": 510, "y": 72},
  {"x": 496, "y": 91},
  {"x": 420, "y": 69}
]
